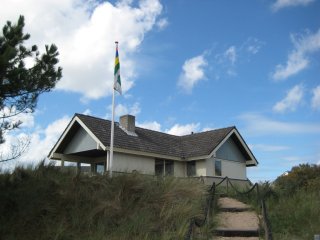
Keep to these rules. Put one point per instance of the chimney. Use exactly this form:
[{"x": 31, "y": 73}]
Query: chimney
[{"x": 128, "y": 123}]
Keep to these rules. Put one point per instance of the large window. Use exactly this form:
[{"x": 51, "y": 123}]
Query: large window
[
  {"x": 163, "y": 167},
  {"x": 217, "y": 168},
  {"x": 191, "y": 168}
]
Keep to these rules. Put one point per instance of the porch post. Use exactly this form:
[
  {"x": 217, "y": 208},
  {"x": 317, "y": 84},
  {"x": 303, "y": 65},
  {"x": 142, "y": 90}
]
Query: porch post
[
  {"x": 107, "y": 162},
  {"x": 93, "y": 168},
  {"x": 78, "y": 167}
]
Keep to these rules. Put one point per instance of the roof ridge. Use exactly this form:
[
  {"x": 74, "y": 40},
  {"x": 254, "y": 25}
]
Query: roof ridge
[
  {"x": 151, "y": 130},
  {"x": 90, "y": 116},
  {"x": 212, "y": 130}
]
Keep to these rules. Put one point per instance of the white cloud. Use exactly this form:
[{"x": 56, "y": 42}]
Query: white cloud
[
  {"x": 150, "y": 125},
  {"x": 298, "y": 59},
  {"x": 162, "y": 23},
  {"x": 269, "y": 148},
  {"x": 256, "y": 124},
  {"x": 289, "y": 3},
  {"x": 231, "y": 54},
  {"x": 180, "y": 130},
  {"x": 294, "y": 158},
  {"x": 315, "y": 102},
  {"x": 192, "y": 72},
  {"x": 253, "y": 45},
  {"x": 84, "y": 32},
  {"x": 122, "y": 109},
  {"x": 41, "y": 142},
  {"x": 87, "y": 112},
  {"x": 291, "y": 101}
]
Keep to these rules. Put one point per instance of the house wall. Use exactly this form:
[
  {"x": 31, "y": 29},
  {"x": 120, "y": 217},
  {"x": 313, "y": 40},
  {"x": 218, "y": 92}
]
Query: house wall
[
  {"x": 230, "y": 151},
  {"x": 210, "y": 167},
  {"x": 233, "y": 169},
  {"x": 201, "y": 168},
  {"x": 179, "y": 169},
  {"x": 80, "y": 142},
  {"x": 233, "y": 163},
  {"x": 128, "y": 163}
]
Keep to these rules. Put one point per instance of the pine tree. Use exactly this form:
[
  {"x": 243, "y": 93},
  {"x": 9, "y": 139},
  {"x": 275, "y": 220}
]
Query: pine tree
[{"x": 20, "y": 86}]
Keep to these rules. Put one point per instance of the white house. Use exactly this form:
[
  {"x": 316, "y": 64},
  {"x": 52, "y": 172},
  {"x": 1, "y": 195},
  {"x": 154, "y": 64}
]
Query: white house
[{"x": 212, "y": 154}]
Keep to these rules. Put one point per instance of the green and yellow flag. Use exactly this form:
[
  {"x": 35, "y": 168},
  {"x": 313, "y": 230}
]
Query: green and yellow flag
[{"x": 117, "y": 79}]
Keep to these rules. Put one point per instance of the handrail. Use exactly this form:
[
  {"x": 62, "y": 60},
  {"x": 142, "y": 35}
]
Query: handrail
[
  {"x": 261, "y": 201},
  {"x": 266, "y": 222},
  {"x": 209, "y": 209}
]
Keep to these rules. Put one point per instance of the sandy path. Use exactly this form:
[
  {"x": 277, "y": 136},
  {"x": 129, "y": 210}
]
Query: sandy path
[{"x": 242, "y": 219}]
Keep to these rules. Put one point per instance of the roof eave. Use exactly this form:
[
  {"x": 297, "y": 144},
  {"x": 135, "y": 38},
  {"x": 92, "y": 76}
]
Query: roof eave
[{"x": 65, "y": 132}]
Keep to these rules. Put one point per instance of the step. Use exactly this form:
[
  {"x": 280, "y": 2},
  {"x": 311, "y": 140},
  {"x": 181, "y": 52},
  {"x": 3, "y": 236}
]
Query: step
[
  {"x": 236, "y": 238},
  {"x": 234, "y": 209},
  {"x": 225, "y": 202},
  {"x": 238, "y": 220},
  {"x": 226, "y": 232}
]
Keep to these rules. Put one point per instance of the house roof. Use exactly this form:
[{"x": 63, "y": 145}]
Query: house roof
[{"x": 149, "y": 141}]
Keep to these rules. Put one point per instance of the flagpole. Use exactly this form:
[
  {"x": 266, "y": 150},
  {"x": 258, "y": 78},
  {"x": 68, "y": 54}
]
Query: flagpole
[
  {"x": 112, "y": 128},
  {"x": 112, "y": 136}
]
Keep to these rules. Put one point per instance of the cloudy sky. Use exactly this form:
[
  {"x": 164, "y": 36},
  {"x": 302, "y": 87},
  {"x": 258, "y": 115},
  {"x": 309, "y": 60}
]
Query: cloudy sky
[{"x": 185, "y": 66}]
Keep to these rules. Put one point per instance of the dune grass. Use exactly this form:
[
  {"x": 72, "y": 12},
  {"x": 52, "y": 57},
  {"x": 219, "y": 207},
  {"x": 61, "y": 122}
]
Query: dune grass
[
  {"x": 294, "y": 215},
  {"x": 47, "y": 203}
]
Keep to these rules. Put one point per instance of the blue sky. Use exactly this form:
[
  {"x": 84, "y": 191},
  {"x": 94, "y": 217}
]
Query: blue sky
[{"x": 185, "y": 66}]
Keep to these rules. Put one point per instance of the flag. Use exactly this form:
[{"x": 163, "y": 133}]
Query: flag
[{"x": 117, "y": 79}]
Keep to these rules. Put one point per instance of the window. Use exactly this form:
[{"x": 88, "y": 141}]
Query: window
[
  {"x": 168, "y": 167},
  {"x": 163, "y": 167},
  {"x": 158, "y": 167},
  {"x": 191, "y": 168},
  {"x": 217, "y": 167}
]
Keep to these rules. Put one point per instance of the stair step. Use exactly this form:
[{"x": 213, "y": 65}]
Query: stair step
[
  {"x": 225, "y": 232},
  {"x": 236, "y": 238},
  {"x": 235, "y": 209}
]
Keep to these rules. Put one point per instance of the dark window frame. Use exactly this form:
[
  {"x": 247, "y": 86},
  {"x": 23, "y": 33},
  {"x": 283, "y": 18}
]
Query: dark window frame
[
  {"x": 164, "y": 167},
  {"x": 218, "y": 168},
  {"x": 191, "y": 168}
]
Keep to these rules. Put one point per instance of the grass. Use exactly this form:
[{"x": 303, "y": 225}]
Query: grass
[
  {"x": 292, "y": 216},
  {"x": 47, "y": 203},
  {"x": 296, "y": 216}
]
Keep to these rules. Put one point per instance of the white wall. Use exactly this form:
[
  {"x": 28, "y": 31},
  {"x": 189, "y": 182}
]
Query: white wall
[
  {"x": 80, "y": 142},
  {"x": 230, "y": 151},
  {"x": 201, "y": 168},
  {"x": 128, "y": 163},
  {"x": 233, "y": 169},
  {"x": 179, "y": 169},
  {"x": 210, "y": 167}
]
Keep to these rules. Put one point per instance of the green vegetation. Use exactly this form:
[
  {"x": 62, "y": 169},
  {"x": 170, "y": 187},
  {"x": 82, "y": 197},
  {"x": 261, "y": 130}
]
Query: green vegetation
[
  {"x": 22, "y": 83},
  {"x": 295, "y": 213},
  {"x": 47, "y": 203},
  {"x": 293, "y": 203}
]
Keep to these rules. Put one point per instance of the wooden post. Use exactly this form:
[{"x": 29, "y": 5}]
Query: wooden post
[{"x": 227, "y": 186}]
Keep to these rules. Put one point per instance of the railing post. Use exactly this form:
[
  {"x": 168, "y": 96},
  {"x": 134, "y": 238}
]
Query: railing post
[
  {"x": 227, "y": 186},
  {"x": 267, "y": 227}
]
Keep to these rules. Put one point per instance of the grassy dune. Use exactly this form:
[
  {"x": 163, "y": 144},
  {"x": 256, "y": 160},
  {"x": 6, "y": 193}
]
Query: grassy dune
[{"x": 46, "y": 203}]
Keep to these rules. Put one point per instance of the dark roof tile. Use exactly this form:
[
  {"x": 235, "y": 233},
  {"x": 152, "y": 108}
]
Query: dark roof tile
[{"x": 193, "y": 145}]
